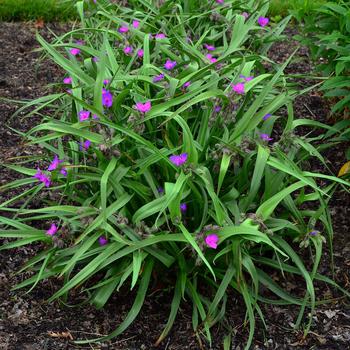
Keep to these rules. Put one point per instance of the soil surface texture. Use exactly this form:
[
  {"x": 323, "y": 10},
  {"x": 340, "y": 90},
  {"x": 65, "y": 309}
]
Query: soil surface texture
[{"x": 28, "y": 322}]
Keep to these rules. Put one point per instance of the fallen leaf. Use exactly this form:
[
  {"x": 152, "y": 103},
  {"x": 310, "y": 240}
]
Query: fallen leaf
[
  {"x": 39, "y": 23},
  {"x": 64, "y": 335},
  {"x": 345, "y": 169}
]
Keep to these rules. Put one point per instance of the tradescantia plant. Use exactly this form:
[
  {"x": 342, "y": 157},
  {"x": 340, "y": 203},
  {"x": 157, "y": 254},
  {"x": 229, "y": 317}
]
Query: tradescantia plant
[{"x": 162, "y": 160}]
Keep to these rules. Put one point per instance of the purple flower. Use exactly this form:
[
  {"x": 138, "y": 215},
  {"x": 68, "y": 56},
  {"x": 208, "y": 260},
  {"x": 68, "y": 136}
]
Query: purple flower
[
  {"x": 52, "y": 230},
  {"x": 169, "y": 65},
  {"x": 210, "y": 58},
  {"x": 238, "y": 88},
  {"x": 143, "y": 107},
  {"x": 246, "y": 78},
  {"x": 106, "y": 82},
  {"x": 95, "y": 59},
  {"x": 102, "y": 240},
  {"x": 314, "y": 233},
  {"x": 267, "y": 116},
  {"x": 42, "y": 177},
  {"x": 158, "y": 78},
  {"x": 160, "y": 36},
  {"x": 245, "y": 15},
  {"x": 209, "y": 47},
  {"x": 63, "y": 171},
  {"x": 67, "y": 80},
  {"x": 74, "y": 51},
  {"x": 94, "y": 116},
  {"x": 107, "y": 98},
  {"x": 179, "y": 160},
  {"x": 84, "y": 115},
  {"x": 54, "y": 164},
  {"x": 83, "y": 146},
  {"x": 186, "y": 85},
  {"x": 220, "y": 2},
  {"x": 183, "y": 207},
  {"x": 123, "y": 29},
  {"x": 160, "y": 189},
  {"x": 263, "y": 21},
  {"x": 140, "y": 53},
  {"x": 128, "y": 50},
  {"x": 135, "y": 23},
  {"x": 217, "y": 108},
  {"x": 212, "y": 240},
  {"x": 265, "y": 137}
]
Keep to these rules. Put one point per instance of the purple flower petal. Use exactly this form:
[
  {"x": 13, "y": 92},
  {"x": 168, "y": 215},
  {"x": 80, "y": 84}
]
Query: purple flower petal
[
  {"x": 144, "y": 107},
  {"x": 52, "y": 230},
  {"x": 263, "y": 21},
  {"x": 169, "y": 65},
  {"x": 102, "y": 240},
  {"x": 178, "y": 160},
  {"x": 238, "y": 88},
  {"x": 212, "y": 240}
]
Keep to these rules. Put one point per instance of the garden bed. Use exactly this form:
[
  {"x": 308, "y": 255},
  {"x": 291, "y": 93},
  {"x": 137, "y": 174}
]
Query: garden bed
[{"x": 30, "y": 323}]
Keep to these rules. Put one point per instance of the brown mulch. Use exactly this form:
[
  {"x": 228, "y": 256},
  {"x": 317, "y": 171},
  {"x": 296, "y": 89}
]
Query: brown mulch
[{"x": 29, "y": 323}]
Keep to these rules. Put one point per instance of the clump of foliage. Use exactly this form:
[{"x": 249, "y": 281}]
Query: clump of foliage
[
  {"x": 167, "y": 159},
  {"x": 326, "y": 31},
  {"x": 282, "y": 8},
  {"x": 47, "y": 10}
]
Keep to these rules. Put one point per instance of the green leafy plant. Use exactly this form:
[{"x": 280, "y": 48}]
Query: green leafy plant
[
  {"x": 171, "y": 162},
  {"x": 326, "y": 32}
]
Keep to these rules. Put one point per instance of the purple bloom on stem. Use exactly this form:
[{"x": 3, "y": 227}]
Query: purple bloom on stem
[
  {"x": 140, "y": 53},
  {"x": 102, "y": 240},
  {"x": 84, "y": 115},
  {"x": 63, "y": 171},
  {"x": 144, "y": 107},
  {"x": 83, "y": 146},
  {"x": 246, "y": 78},
  {"x": 42, "y": 177},
  {"x": 54, "y": 164},
  {"x": 169, "y": 64},
  {"x": 52, "y": 230},
  {"x": 74, "y": 51},
  {"x": 106, "y": 82},
  {"x": 128, "y": 50},
  {"x": 265, "y": 137},
  {"x": 95, "y": 59},
  {"x": 245, "y": 15},
  {"x": 135, "y": 23},
  {"x": 263, "y": 21},
  {"x": 158, "y": 78},
  {"x": 107, "y": 98},
  {"x": 210, "y": 58},
  {"x": 209, "y": 47},
  {"x": 267, "y": 116},
  {"x": 67, "y": 80},
  {"x": 183, "y": 207},
  {"x": 179, "y": 160},
  {"x": 212, "y": 240},
  {"x": 238, "y": 88},
  {"x": 217, "y": 108},
  {"x": 160, "y": 36},
  {"x": 220, "y": 1},
  {"x": 186, "y": 85},
  {"x": 123, "y": 29},
  {"x": 160, "y": 189},
  {"x": 314, "y": 233},
  {"x": 94, "y": 116}
]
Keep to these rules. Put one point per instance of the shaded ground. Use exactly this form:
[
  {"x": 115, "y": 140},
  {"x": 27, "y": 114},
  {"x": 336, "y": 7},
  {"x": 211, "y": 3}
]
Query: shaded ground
[{"x": 28, "y": 323}]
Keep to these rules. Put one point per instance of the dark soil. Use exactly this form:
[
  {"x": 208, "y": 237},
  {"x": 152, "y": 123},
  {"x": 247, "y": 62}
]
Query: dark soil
[{"x": 29, "y": 323}]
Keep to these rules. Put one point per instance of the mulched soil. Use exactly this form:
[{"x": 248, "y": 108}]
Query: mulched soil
[{"x": 29, "y": 323}]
